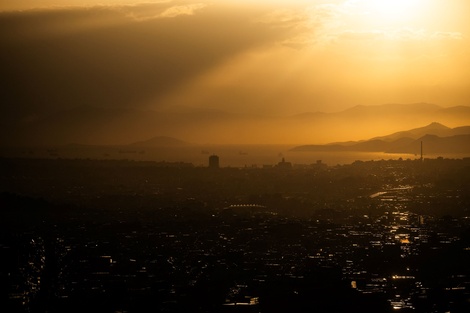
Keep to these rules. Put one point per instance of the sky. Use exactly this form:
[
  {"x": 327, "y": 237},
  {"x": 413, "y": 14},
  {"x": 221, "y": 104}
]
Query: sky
[{"x": 269, "y": 58}]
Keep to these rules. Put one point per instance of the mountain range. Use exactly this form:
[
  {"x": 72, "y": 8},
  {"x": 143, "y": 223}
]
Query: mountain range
[
  {"x": 119, "y": 126},
  {"x": 435, "y": 138},
  {"x": 160, "y": 141}
]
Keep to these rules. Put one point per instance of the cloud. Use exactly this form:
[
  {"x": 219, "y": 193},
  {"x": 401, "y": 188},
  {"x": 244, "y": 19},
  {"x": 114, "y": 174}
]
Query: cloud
[
  {"x": 183, "y": 10},
  {"x": 360, "y": 35},
  {"x": 320, "y": 24},
  {"x": 402, "y": 34},
  {"x": 448, "y": 36},
  {"x": 333, "y": 22},
  {"x": 298, "y": 22},
  {"x": 409, "y": 34},
  {"x": 285, "y": 18},
  {"x": 163, "y": 9},
  {"x": 310, "y": 25},
  {"x": 98, "y": 56}
]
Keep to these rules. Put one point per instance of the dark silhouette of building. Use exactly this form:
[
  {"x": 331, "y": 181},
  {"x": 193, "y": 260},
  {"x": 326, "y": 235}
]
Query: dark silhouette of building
[
  {"x": 283, "y": 164},
  {"x": 214, "y": 161},
  {"x": 421, "y": 151},
  {"x": 320, "y": 165}
]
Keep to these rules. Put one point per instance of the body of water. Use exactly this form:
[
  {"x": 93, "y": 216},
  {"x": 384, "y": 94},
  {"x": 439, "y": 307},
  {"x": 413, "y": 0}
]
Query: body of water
[{"x": 230, "y": 155}]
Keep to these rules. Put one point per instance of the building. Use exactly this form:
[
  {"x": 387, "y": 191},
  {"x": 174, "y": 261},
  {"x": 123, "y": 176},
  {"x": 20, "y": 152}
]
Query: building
[
  {"x": 213, "y": 161},
  {"x": 284, "y": 165}
]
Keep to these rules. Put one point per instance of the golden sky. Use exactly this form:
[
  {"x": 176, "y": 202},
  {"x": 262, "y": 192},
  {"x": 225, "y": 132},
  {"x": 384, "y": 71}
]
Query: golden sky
[{"x": 272, "y": 58}]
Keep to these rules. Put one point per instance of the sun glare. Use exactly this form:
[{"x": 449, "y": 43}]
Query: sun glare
[{"x": 392, "y": 9}]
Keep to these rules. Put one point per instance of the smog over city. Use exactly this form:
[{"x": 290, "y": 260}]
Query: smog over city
[{"x": 235, "y": 156}]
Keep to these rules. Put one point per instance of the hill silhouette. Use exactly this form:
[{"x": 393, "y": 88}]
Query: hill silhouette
[
  {"x": 120, "y": 126},
  {"x": 436, "y": 138},
  {"x": 160, "y": 141}
]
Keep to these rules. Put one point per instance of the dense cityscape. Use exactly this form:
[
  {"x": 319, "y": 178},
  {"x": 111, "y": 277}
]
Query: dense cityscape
[{"x": 124, "y": 236}]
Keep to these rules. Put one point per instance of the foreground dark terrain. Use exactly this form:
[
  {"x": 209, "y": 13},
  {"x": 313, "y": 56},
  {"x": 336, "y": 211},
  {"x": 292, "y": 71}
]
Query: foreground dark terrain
[{"x": 125, "y": 236}]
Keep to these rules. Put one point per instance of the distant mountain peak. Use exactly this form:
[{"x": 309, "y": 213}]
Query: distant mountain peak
[{"x": 436, "y": 125}]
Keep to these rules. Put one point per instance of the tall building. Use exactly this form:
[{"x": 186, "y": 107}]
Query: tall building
[
  {"x": 213, "y": 161},
  {"x": 421, "y": 151},
  {"x": 283, "y": 164}
]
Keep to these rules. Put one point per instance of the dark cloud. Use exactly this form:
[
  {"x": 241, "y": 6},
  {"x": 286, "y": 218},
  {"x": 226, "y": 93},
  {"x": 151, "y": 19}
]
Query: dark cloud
[{"x": 117, "y": 56}]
